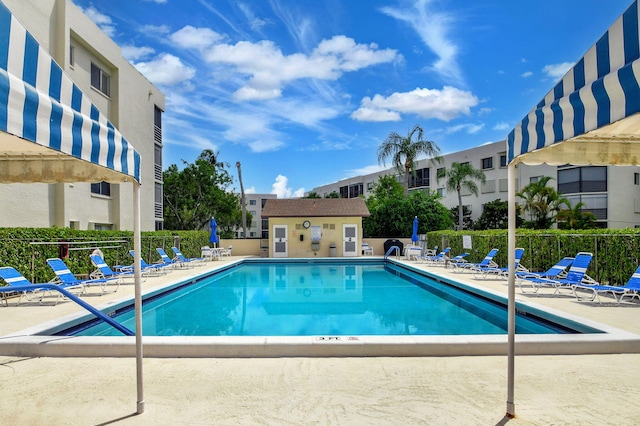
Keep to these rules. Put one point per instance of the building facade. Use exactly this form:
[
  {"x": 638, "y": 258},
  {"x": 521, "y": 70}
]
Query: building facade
[
  {"x": 611, "y": 193},
  {"x": 129, "y": 101},
  {"x": 259, "y": 227}
]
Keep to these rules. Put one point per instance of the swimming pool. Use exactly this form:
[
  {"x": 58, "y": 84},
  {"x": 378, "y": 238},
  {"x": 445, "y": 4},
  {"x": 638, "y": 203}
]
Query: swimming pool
[
  {"x": 42, "y": 341},
  {"x": 322, "y": 298}
]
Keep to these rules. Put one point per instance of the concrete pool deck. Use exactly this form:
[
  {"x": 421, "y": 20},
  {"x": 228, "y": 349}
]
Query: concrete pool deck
[{"x": 559, "y": 389}]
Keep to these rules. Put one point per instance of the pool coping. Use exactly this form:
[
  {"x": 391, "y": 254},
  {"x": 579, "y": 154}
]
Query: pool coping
[{"x": 28, "y": 343}]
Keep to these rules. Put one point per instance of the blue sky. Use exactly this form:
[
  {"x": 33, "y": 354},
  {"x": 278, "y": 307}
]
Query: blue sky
[{"x": 302, "y": 92}]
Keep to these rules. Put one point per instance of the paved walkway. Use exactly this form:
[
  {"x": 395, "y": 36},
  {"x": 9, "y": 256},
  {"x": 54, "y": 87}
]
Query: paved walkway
[{"x": 561, "y": 390}]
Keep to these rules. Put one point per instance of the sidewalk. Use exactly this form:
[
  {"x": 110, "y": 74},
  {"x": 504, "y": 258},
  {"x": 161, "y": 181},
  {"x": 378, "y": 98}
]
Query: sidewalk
[{"x": 584, "y": 390}]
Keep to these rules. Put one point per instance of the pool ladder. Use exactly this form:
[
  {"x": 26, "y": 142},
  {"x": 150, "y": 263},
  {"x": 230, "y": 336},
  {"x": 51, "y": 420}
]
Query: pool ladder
[{"x": 392, "y": 248}]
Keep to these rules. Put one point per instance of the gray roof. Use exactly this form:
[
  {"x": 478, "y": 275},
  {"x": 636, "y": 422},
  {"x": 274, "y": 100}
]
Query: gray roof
[{"x": 315, "y": 207}]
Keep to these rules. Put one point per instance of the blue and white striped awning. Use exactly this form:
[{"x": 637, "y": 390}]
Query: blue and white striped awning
[
  {"x": 49, "y": 130},
  {"x": 591, "y": 115}
]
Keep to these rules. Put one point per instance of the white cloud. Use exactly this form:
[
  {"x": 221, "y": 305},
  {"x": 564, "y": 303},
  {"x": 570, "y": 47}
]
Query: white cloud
[
  {"x": 133, "y": 53},
  {"x": 502, "y": 126},
  {"x": 155, "y": 30},
  {"x": 269, "y": 69},
  {"x": 157, "y": 1},
  {"x": 445, "y": 104},
  {"x": 526, "y": 74},
  {"x": 467, "y": 128},
  {"x": 250, "y": 190},
  {"x": 255, "y": 22},
  {"x": 103, "y": 21},
  {"x": 166, "y": 70},
  {"x": 433, "y": 27},
  {"x": 281, "y": 188},
  {"x": 190, "y": 37},
  {"x": 367, "y": 170},
  {"x": 557, "y": 71}
]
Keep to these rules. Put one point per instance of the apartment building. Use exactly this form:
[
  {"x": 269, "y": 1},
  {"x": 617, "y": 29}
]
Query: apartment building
[
  {"x": 611, "y": 193},
  {"x": 120, "y": 92},
  {"x": 258, "y": 228}
]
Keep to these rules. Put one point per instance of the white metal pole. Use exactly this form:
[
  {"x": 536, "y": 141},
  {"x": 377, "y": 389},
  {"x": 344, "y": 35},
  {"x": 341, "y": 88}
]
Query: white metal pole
[
  {"x": 511, "y": 311},
  {"x": 137, "y": 247}
]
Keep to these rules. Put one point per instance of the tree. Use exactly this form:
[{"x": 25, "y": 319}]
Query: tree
[
  {"x": 404, "y": 152},
  {"x": 574, "y": 217},
  {"x": 541, "y": 202},
  {"x": 391, "y": 213},
  {"x": 333, "y": 194},
  {"x": 467, "y": 223},
  {"x": 198, "y": 192},
  {"x": 495, "y": 215},
  {"x": 462, "y": 176},
  {"x": 312, "y": 194}
]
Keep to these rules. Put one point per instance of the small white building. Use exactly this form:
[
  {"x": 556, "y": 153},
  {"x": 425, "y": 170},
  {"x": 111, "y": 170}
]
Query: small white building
[{"x": 120, "y": 92}]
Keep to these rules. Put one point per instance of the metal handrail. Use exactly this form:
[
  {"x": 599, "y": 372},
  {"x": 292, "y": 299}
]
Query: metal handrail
[
  {"x": 19, "y": 288},
  {"x": 397, "y": 249}
]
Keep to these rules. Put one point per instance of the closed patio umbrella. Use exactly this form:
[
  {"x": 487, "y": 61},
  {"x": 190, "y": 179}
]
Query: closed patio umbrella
[
  {"x": 214, "y": 231},
  {"x": 414, "y": 236}
]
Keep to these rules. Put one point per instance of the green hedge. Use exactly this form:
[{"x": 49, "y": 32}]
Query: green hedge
[
  {"x": 616, "y": 252},
  {"x": 27, "y": 249}
]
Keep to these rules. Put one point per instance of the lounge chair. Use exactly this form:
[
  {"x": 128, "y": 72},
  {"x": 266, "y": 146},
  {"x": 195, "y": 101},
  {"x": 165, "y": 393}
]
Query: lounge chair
[
  {"x": 576, "y": 275},
  {"x": 484, "y": 271},
  {"x": 179, "y": 256},
  {"x": 104, "y": 271},
  {"x": 460, "y": 258},
  {"x": 559, "y": 270},
  {"x": 65, "y": 277},
  {"x": 486, "y": 262},
  {"x": 630, "y": 289},
  {"x": 440, "y": 258},
  {"x": 176, "y": 263},
  {"x": 14, "y": 278},
  {"x": 155, "y": 269}
]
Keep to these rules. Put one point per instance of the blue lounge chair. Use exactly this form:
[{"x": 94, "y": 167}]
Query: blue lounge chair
[
  {"x": 486, "y": 262},
  {"x": 153, "y": 268},
  {"x": 65, "y": 277},
  {"x": 576, "y": 275},
  {"x": 104, "y": 271},
  {"x": 440, "y": 258},
  {"x": 559, "y": 270},
  {"x": 175, "y": 263},
  {"x": 14, "y": 278},
  {"x": 485, "y": 271},
  {"x": 630, "y": 289},
  {"x": 459, "y": 258},
  {"x": 179, "y": 256}
]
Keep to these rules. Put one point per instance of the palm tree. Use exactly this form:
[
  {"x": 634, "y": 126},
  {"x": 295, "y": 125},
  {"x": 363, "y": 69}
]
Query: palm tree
[
  {"x": 542, "y": 202},
  {"x": 573, "y": 217},
  {"x": 459, "y": 176},
  {"x": 404, "y": 152}
]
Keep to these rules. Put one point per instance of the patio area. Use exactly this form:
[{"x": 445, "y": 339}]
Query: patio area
[{"x": 577, "y": 389}]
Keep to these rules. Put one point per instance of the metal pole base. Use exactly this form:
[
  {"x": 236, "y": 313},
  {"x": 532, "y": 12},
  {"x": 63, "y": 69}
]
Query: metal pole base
[
  {"x": 511, "y": 410},
  {"x": 140, "y": 407}
]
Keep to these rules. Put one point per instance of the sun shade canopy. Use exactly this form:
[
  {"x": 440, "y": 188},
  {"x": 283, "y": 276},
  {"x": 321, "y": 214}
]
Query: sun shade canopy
[
  {"x": 49, "y": 130},
  {"x": 591, "y": 115}
]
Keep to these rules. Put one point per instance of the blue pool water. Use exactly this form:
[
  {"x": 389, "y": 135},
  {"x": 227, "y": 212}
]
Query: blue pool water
[{"x": 320, "y": 298}]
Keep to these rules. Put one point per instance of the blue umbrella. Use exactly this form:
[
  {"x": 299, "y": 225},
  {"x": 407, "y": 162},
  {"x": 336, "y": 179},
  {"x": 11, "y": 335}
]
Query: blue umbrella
[
  {"x": 414, "y": 236},
  {"x": 214, "y": 230}
]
